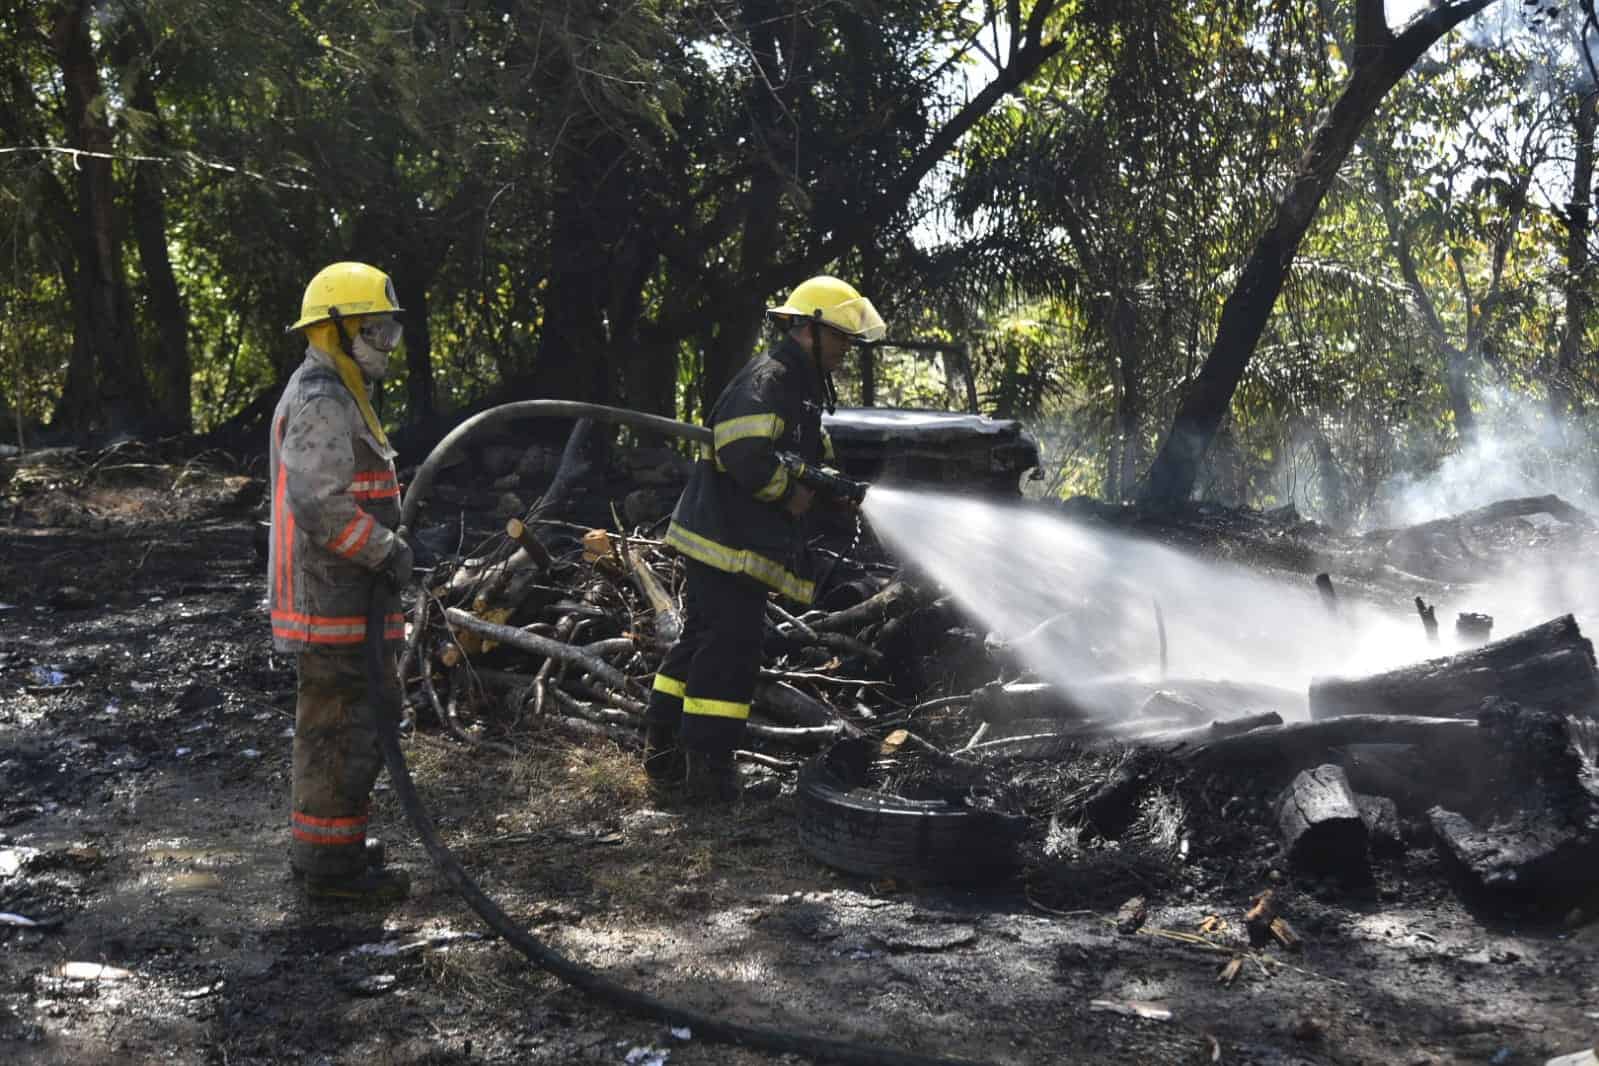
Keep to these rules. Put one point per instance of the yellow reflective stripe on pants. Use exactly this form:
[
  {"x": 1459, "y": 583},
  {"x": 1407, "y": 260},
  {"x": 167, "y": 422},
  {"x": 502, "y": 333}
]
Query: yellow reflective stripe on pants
[
  {"x": 715, "y": 708},
  {"x": 669, "y": 685},
  {"x": 766, "y": 571}
]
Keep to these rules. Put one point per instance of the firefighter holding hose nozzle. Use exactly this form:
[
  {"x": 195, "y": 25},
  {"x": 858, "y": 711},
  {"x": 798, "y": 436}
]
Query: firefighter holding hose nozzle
[{"x": 739, "y": 528}]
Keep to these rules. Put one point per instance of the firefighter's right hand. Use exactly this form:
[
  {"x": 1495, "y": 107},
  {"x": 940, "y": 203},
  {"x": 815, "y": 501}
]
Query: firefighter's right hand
[
  {"x": 399, "y": 564},
  {"x": 799, "y": 501}
]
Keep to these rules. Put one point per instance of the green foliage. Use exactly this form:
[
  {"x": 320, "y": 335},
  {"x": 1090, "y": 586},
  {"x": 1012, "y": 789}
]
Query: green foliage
[{"x": 599, "y": 198}]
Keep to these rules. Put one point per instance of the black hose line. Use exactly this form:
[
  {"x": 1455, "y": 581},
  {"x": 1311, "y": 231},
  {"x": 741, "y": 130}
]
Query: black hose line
[
  {"x": 422, "y": 483},
  {"x": 387, "y": 698}
]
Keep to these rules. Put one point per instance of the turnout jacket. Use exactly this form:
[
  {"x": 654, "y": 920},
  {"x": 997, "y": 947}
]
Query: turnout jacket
[
  {"x": 335, "y": 503},
  {"x": 731, "y": 515}
]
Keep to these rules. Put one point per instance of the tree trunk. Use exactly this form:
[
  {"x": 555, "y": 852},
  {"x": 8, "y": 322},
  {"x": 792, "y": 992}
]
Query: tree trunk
[
  {"x": 738, "y": 326},
  {"x": 411, "y": 287},
  {"x": 570, "y": 364},
  {"x": 106, "y": 387},
  {"x": 649, "y": 378},
  {"x": 1457, "y": 361},
  {"x": 646, "y": 365},
  {"x": 1123, "y": 337},
  {"x": 1562, "y": 393},
  {"x": 171, "y": 372},
  {"x": 1379, "y": 64}
]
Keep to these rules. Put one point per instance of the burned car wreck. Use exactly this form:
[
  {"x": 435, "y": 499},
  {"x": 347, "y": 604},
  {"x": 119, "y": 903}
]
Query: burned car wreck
[{"x": 956, "y": 451}]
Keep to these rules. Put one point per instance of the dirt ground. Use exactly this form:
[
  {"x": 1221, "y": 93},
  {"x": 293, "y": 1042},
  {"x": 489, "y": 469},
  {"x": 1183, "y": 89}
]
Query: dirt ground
[{"x": 144, "y": 783}]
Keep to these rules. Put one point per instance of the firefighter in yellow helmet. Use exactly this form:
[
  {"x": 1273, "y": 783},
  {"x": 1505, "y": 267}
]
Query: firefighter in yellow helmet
[
  {"x": 738, "y": 526},
  {"x": 335, "y": 506}
]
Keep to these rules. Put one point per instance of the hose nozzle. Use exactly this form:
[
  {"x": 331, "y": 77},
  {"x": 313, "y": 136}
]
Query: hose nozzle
[{"x": 819, "y": 479}]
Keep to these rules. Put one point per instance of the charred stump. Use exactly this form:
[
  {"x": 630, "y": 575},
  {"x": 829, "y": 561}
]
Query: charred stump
[{"x": 1322, "y": 829}]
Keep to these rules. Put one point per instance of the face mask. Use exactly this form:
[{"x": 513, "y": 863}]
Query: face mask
[{"x": 378, "y": 336}]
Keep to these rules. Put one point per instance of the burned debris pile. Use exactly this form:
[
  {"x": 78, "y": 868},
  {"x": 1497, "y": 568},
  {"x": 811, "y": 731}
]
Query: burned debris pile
[{"x": 916, "y": 748}]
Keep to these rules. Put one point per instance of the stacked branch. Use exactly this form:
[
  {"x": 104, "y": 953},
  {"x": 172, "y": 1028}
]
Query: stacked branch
[{"x": 543, "y": 630}]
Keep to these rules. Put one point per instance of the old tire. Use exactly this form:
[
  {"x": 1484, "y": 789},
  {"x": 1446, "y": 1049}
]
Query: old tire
[{"x": 847, "y": 826}]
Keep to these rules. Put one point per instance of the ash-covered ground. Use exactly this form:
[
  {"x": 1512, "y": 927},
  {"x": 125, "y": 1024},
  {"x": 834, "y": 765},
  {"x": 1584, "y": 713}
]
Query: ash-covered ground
[{"x": 144, "y": 759}]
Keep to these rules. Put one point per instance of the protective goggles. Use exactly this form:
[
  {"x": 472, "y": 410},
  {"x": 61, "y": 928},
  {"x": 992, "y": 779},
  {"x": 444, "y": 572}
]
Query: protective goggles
[{"x": 381, "y": 331}]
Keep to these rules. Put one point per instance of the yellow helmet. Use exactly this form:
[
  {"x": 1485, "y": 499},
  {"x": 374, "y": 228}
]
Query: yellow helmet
[
  {"x": 836, "y": 303},
  {"x": 350, "y": 289}
]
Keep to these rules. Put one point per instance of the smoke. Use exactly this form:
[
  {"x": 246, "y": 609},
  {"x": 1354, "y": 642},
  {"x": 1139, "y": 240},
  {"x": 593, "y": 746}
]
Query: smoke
[
  {"x": 1519, "y": 450},
  {"x": 1077, "y": 603},
  {"x": 1551, "y": 38}
]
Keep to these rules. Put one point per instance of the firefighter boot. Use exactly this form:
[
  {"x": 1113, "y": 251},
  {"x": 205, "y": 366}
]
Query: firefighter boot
[
  {"x": 711, "y": 778},
  {"x": 663, "y": 757},
  {"x": 372, "y": 886},
  {"x": 376, "y": 858}
]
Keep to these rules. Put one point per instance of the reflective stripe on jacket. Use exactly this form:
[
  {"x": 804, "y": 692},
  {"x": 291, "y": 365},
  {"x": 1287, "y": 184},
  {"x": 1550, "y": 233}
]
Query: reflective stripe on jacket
[
  {"x": 335, "y": 503},
  {"x": 731, "y": 515}
]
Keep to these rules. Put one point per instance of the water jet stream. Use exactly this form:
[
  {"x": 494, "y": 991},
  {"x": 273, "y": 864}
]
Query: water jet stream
[{"x": 1075, "y": 602}]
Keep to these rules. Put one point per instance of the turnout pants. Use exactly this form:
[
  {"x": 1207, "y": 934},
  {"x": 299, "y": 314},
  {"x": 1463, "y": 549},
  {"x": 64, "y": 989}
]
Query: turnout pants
[
  {"x": 336, "y": 763},
  {"x": 705, "y": 683}
]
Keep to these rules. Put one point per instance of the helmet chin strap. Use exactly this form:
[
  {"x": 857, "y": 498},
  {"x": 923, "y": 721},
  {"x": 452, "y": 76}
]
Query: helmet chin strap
[
  {"x": 356, "y": 380},
  {"x": 345, "y": 343},
  {"x": 348, "y": 346},
  {"x": 824, "y": 377}
]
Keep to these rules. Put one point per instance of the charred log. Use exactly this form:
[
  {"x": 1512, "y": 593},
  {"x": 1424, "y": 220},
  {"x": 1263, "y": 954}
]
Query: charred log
[
  {"x": 1289, "y": 748},
  {"x": 1529, "y": 862},
  {"x": 1549, "y": 666}
]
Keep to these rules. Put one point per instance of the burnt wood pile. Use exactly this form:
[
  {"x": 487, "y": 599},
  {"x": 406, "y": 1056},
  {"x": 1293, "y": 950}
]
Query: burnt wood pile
[{"x": 1487, "y": 755}]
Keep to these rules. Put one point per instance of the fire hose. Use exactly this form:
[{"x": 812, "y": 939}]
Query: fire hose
[{"x": 387, "y": 698}]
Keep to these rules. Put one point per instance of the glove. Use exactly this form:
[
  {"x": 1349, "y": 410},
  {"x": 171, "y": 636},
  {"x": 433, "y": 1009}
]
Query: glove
[
  {"x": 399, "y": 564},
  {"x": 799, "y": 500}
]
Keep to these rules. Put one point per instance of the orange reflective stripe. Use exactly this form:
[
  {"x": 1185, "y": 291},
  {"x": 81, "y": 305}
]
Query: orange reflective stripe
[
  {"x": 335, "y": 831},
  {"x": 324, "y": 629},
  {"x": 277, "y": 531},
  {"x": 330, "y": 823},
  {"x": 354, "y": 536},
  {"x": 282, "y": 524},
  {"x": 375, "y": 485}
]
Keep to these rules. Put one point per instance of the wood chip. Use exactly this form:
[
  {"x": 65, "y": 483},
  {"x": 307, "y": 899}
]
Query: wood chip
[
  {"x": 92, "y": 971},
  {"x": 1132, "y": 915},
  {"x": 1133, "y": 1008},
  {"x": 1257, "y": 920},
  {"x": 1229, "y": 973}
]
